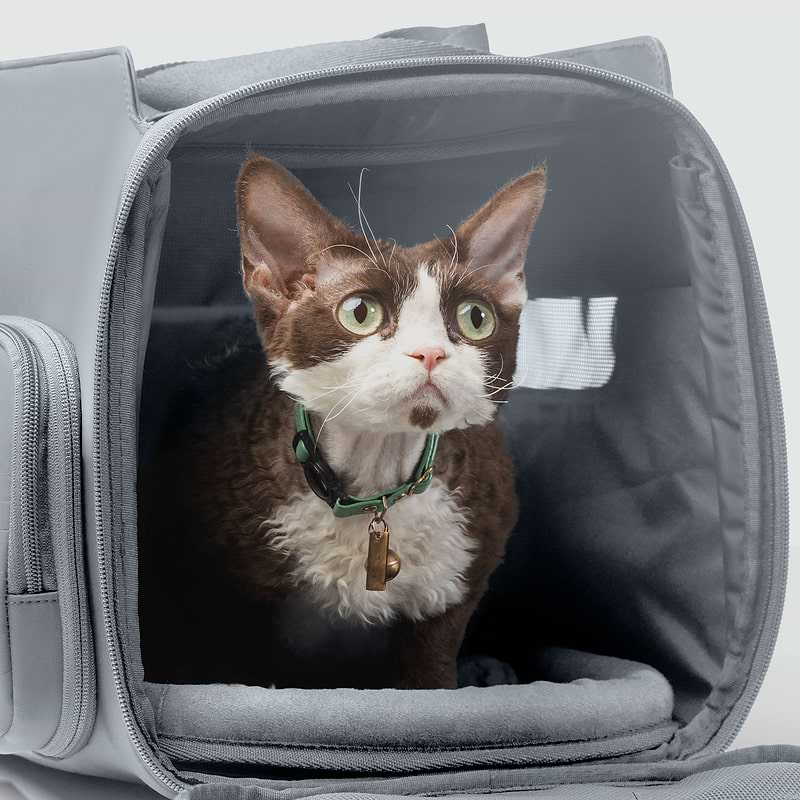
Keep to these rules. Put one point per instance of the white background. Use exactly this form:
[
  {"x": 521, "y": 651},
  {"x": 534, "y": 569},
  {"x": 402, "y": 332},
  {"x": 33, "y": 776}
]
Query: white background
[{"x": 736, "y": 70}]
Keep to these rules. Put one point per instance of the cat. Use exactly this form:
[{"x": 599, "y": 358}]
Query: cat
[{"x": 383, "y": 345}]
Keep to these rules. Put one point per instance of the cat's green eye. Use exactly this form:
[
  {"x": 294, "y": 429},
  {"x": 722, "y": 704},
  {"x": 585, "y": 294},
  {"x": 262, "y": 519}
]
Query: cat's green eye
[
  {"x": 360, "y": 314},
  {"x": 476, "y": 320}
]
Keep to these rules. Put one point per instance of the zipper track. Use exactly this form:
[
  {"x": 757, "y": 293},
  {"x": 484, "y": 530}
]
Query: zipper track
[
  {"x": 83, "y": 679},
  {"x": 178, "y": 120},
  {"x": 27, "y": 420},
  {"x": 769, "y": 363}
]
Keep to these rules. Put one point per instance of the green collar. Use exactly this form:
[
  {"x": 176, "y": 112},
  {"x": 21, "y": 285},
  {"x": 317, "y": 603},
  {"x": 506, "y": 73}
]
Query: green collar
[{"x": 324, "y": 483}]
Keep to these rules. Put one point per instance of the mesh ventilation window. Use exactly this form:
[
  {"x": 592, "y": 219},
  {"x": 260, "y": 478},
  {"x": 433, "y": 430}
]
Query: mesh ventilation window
[{"x": 566, "y": 343}]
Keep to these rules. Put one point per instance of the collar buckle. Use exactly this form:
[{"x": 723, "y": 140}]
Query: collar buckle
[{"x": 325, "y": 484}]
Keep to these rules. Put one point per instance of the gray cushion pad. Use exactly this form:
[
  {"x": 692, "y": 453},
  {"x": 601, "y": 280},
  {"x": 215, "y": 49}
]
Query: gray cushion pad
[{"x": 584, "y": 697}]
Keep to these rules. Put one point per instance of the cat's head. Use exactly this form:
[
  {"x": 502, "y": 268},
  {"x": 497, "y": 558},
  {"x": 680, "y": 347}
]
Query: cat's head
[{"x": 380, "y": 336}]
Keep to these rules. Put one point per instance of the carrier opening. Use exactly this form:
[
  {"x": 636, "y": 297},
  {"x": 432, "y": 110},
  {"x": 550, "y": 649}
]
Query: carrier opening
[{"x": 610, "y": 615}]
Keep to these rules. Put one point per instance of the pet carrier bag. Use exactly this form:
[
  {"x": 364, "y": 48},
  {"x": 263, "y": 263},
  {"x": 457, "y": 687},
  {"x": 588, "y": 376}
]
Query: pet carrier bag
[{"x": 641, "y": 592}]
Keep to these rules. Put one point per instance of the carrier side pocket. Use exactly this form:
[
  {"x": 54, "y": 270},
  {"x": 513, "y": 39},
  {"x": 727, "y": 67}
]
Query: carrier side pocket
[{"x": 47, "y": 679}]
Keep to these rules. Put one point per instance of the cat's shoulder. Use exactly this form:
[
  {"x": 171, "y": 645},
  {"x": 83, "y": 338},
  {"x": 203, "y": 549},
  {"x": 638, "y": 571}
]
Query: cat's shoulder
[{"x": 476, "y": 447}]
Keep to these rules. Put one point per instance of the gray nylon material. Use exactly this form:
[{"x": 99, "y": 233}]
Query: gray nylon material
[
  {"x": 59, "y": 524},
  {"x": 698, "y": 234},
  {"x": 738, "y": 447},
  {"x": 138, "y": 264},
  {"x": 759, "y": 773},
  {"x": 57, "y": 546},
  {"x": 172, "y": 86},
  {"x": 755, "y": 782},
  {"x": 175, "y": 86},
  {"x": 28, "y": 419},
  {"x": 473, "y": 37},
  {"x": 81, "y": 105},
  {"x": 643, "y": 58},
  {"x": 447, "y": 112},
  {"x": 152, "y": 235},
  {"x": 269, "y": 757},
  {"x": 7, "y": 402},
  {"x": 37, "y": 670},
  {"x": 599, "y": 698}
]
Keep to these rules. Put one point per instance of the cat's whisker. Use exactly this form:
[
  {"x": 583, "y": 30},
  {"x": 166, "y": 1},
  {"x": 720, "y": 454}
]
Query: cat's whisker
[
  {"x": 364, "y": 216},
  {"x": 441, "y": 243},
  {"x": 499, "y": 372},
  {"x": 469, "y": 272},
  {"x": 362, "y": 220},
  {"x": 344, "y": 408},
  {"x": 350, "y": 395},
  {"x": 352, "y": 247},
  {"x": 330, "y": 390},
  {"x": 455, "y": 248},
  {"x": 512, "y": 384},
  {"x": 333, "y": 389},
  {"x": 357, "y": 198}
]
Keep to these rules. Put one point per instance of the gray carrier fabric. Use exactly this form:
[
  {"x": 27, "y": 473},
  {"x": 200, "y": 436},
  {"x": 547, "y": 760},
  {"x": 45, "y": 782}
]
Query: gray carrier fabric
[
  {"x": 175, "y": 85},
  {"x": 737, "y": 776},
  {"x": 648, "y": 566},
  {"x": 171, "y": 86},
  {"x": 591, "y": 707}
]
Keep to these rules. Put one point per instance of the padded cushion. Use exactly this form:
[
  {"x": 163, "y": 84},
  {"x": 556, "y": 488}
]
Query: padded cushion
[{"x": 621, "y": 705}]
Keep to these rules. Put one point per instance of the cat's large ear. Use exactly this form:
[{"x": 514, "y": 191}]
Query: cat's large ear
[
  {"x": 496, "y": 236},
  {"x": 282, "y": 230}
]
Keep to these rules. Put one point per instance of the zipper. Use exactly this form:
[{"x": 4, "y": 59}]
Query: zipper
[
  {"x": 47, "y": 415},
  {"x": 27, "y": 421},
  {"x": 70, "y": 736},
  {"x": 774, "y": 410},
  {"x": 167, "y": 129}
]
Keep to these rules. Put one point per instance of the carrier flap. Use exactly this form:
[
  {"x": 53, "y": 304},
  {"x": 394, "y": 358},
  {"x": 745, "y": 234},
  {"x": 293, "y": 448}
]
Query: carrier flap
[
  {"x": 167, "y": 87},
  {"x": 642, "y": 58},
  {"x": 170, "y": 86}
]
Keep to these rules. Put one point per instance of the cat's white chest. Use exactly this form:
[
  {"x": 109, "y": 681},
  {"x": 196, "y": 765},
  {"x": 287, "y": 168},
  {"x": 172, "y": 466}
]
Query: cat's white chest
[{"x": 428, "y": 532}]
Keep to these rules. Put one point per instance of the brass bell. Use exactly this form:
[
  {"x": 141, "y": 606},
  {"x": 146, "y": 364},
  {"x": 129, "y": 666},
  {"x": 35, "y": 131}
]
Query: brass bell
[{"x": 392, "y": 565}]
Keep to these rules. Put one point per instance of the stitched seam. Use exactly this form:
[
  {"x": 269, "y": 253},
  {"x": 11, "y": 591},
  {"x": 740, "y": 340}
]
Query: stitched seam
[
  {"x": 29, "y": 63},
  {"x": 662, "y": 78},
  {"x": 127, "y": 89},
  {"x": 176, "y": 737},
  {"x": 741, "y": 650},
  {"x": 14, "y": 602},
  {"x": 527, "y": 787},
  {"x": 162, "y": 700}
]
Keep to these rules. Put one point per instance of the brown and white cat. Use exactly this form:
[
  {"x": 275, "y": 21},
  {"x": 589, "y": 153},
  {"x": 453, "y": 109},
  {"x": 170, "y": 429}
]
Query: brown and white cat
[{"x": 382, "y": 344}]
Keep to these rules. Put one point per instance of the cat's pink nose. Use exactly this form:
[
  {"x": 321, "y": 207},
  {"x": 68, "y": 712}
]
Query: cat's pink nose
[{"x": 429, "y": 357}]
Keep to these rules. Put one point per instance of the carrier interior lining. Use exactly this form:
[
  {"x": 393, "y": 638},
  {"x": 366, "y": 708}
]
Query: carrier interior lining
[{"x": 618, "y": 551}]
